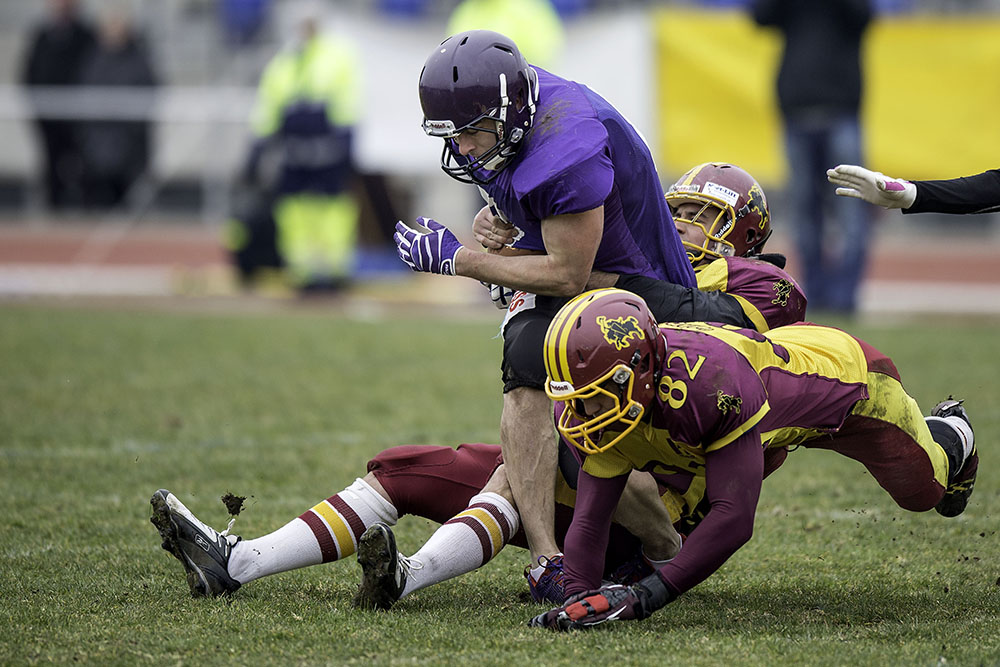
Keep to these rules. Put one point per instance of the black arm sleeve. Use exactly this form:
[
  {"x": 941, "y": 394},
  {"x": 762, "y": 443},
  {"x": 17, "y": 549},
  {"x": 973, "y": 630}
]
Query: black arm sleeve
[
  {"x": 766, "y": 12},
  {"x": 673, "y": 303},
  {"x": 971, "y": 194}
]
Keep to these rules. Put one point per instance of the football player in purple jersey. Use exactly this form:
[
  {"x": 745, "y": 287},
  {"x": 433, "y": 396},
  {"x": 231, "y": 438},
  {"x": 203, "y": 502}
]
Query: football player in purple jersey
[
  {"x": 560, "y": 164},
  {"x": 693, "y": 404}
]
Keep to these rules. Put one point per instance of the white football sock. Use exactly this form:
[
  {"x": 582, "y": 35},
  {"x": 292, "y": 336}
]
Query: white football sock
[
  {"x": 328, "y": 531},
  {"x": 465, "y": 542}
]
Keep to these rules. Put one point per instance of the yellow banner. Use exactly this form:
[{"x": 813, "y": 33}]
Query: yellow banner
[{"x": 930, "y": 110}]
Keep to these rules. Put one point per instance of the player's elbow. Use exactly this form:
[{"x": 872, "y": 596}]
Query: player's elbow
[
  {"x": 743, "y": 533},
  {"x": 570, "y": 283},
  {"x": 740, "y": 530},
  {"x": 737, "y": 526}
]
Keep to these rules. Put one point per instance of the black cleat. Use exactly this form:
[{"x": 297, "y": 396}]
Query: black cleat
[
  {"x": 202, "y": 551},
  {"x": 384, "y": 569},
  {"x": 956, "y": 496}
]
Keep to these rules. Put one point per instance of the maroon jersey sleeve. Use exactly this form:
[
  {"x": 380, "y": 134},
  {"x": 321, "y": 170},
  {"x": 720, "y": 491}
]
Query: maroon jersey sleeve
[
  {"x": 733, "y": 479},
  {"x": 769, "y": 295},
  {"x": 587, "y": 539}
]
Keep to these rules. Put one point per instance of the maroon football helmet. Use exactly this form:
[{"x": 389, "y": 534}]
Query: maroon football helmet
[
  {"x": 733, "y": 212},
  {"x": 602, "y": 343},
  {"x": 471, "y": 76}
]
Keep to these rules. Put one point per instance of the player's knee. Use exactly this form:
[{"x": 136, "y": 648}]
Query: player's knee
[{"x": 500, "y": 485}]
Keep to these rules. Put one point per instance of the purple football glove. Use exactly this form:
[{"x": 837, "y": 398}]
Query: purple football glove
[
  {"x": 608, "y": 603},
  {"x": 428, "y": 246}
]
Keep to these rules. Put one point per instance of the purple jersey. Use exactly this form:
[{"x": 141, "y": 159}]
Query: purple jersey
[
  {"x": 770, "y": 297},
  {"x": 583, "y": 154}
]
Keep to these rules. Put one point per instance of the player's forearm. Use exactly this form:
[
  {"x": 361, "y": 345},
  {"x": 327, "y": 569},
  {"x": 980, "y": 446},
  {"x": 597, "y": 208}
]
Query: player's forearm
[
  {"x": 587, "y": 537},
  {"x": 539, "y": 274},
  {"x": 733, "y": 478}
]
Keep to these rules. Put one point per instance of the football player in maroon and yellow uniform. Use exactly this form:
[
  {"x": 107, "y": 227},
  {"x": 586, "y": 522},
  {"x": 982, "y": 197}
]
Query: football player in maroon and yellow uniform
[
  {"x": 722, "y": 217},
  {"x": 696, "y": 404}
]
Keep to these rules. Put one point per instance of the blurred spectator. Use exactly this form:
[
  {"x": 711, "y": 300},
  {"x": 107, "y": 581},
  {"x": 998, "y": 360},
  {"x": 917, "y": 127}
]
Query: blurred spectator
[
  {"x": 305, "y": 114},
  {"x": 404, "y": 8},
  {"x": 819, "y": 91},
  {"x": 533, "y": 25},
  {"x": 243, "y": 20},
  {"x": 116, "y": 153},
  {"x": 56, "y": 49}
]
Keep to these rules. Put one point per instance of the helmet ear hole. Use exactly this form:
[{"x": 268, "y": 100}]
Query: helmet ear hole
[{"x": 644, "y": 365}]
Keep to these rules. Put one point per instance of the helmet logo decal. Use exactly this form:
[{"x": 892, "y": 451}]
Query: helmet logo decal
[
  {"x": 782, "y": 290},
  {"x": 727, "y": 402},
  {"x": 619, "y": 330},
  {"x": 721, "y": 192},
  {"x": 757, "y": 204},
  {"x": 440, "y": 128}
]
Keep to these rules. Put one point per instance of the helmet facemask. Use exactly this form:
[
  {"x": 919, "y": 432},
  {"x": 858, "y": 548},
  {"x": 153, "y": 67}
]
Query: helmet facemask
[
  {"x": 483, "y": 169},
  {"x": 585, "y": 432},
  {"x": 715, "y": 220},
  {"x": 732, "y": 213}
]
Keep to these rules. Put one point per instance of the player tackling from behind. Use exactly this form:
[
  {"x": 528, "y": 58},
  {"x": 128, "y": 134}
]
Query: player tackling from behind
[{"x": 692, "y": 402}]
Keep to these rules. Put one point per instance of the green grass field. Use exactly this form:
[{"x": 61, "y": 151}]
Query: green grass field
[{"x": 101, "y": 406}]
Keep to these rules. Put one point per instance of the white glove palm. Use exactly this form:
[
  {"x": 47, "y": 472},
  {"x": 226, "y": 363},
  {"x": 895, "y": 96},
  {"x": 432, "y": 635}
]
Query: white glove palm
[
  {"x": 500, "y": 295},
  {"x": 872, "y": 186}
]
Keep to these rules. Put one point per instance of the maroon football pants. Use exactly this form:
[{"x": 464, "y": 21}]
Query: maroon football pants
[{"x": 437, "y": 483}]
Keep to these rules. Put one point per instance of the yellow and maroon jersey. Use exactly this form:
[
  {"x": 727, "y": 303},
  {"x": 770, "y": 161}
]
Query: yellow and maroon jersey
[
  {"x": 770, "y": 297},
  {"x": 718, "y": 382}
]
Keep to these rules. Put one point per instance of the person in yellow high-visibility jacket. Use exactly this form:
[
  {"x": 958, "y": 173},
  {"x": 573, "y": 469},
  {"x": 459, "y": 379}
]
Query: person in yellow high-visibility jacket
[
  {"x": 306, "y": 109},
  {"x": 534, "y": 25}
]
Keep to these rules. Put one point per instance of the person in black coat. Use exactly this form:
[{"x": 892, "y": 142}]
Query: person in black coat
[
  {"x": 56, "y": 49},
  {"x": 116, "y": 152},
  {"x": 820, "y": 87}
]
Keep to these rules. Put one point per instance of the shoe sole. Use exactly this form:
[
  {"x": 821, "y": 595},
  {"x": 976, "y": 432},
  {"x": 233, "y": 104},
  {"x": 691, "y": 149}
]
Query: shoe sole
[
  {"x": 954, "y": 502},
  {"x": 375, "y": 555},
  {"x": 165, "y": 525}
]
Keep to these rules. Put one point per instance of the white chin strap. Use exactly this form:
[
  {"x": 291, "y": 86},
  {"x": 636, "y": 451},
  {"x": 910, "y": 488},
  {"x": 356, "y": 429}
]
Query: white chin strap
[{"x": 495, "y": 163}]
